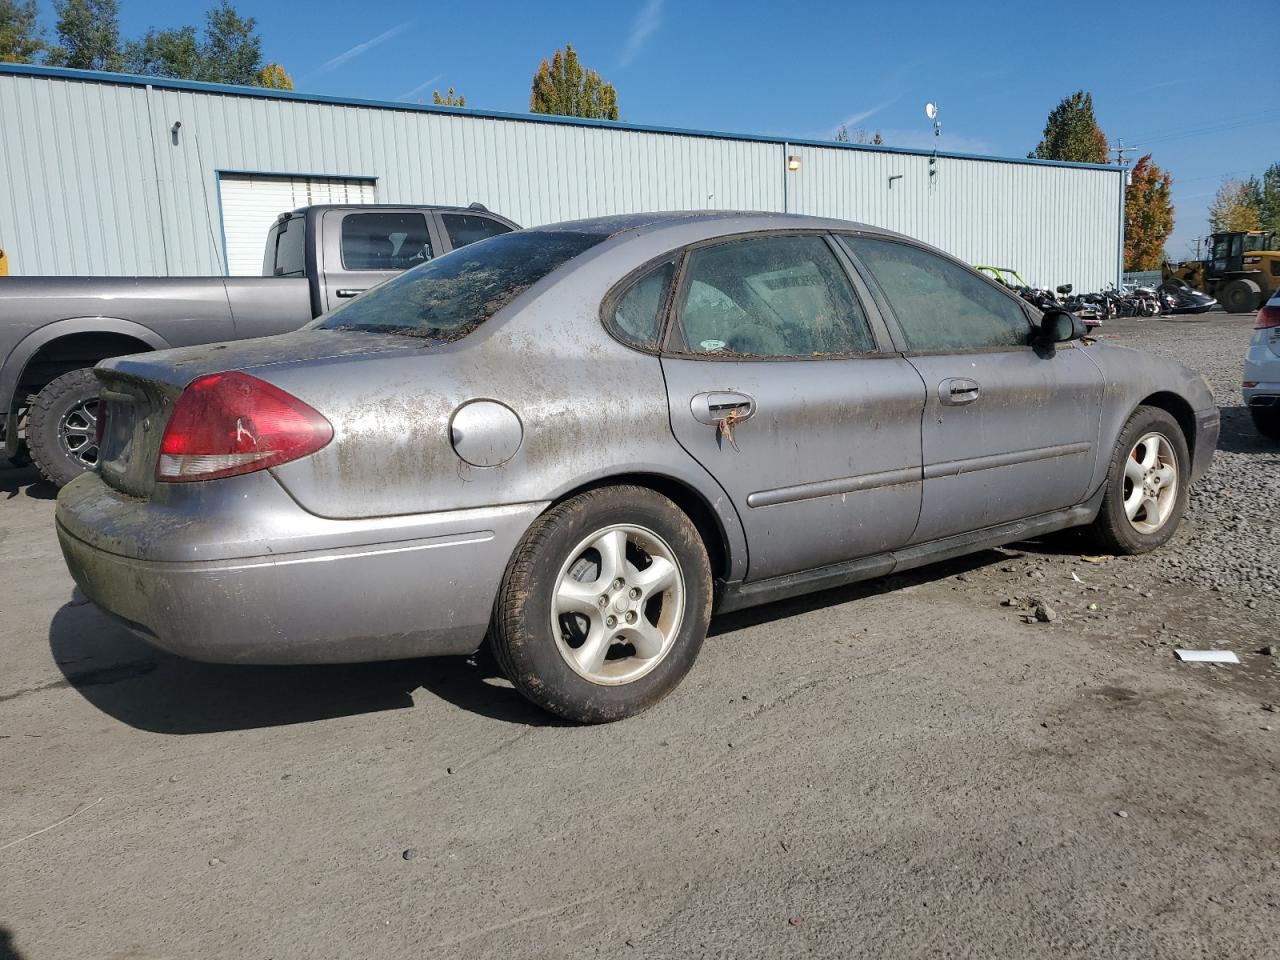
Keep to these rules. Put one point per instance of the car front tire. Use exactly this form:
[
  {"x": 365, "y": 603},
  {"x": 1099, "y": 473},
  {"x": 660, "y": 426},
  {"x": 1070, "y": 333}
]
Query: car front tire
[
  {"x": 1146, "y": 486},
  {"x": 604, "y": 605}
]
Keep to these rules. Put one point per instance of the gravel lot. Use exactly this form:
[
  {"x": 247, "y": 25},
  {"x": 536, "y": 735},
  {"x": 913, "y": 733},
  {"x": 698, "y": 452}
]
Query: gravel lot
[{"x": 911, "y": 767}]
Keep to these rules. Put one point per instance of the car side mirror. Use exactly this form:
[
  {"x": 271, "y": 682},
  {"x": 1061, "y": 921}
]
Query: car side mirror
[{"x": 1059, "y": 326}]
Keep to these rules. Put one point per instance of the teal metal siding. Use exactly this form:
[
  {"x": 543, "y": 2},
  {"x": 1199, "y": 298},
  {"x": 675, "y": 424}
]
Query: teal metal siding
[{"x": 92, "y": 181}]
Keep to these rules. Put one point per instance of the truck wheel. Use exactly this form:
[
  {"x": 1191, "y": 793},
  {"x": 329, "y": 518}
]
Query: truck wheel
[
  {"x": 604, "y": 606},
  {"x": 1146, "y": 485},
  {"x": 1241, "y": 296},
  {"x": 62, "y": 426}
]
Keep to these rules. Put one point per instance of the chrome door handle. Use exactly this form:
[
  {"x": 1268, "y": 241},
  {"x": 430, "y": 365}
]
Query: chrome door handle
[
  {"x": 714, "y": 406},
  {"x": 349, "y": 292},
  {"x": 958, "y": 390}
]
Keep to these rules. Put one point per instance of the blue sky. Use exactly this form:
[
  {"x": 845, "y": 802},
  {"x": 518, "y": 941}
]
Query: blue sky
[{"x": 1194, "y": 89}]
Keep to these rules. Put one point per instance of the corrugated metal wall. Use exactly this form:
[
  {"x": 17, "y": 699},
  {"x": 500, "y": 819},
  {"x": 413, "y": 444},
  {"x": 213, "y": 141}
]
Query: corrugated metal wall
[{"x": 93, "y": 180}]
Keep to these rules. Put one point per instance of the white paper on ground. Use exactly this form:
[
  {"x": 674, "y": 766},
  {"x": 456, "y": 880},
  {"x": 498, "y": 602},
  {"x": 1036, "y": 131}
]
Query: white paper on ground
[{"x": 1207, "y": 656}]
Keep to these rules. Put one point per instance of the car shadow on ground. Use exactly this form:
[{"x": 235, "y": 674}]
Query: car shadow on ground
[
  {"x": 26, "y": 481},
  {"x": 1239, "y": 435},
  {"x": 146, "y": 688}
]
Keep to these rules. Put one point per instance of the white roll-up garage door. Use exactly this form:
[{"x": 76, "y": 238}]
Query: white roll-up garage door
[{"x": 251, "y": 203}]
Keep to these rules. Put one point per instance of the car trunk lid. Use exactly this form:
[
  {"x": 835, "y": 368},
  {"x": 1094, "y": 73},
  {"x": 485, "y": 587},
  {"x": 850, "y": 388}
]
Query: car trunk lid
[{"x": 139, "y": 391}]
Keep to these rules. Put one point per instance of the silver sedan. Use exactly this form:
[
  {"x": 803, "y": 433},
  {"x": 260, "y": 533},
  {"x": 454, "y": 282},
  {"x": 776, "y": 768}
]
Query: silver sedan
[{"x": 579, "y": 441}]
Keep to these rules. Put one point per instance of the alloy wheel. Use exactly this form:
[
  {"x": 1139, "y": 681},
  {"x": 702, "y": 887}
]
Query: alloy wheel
[
  {"x": 1150, "y": 483},
  {"x": 77, "y": 432},
  {"x": 618, "y": 604}
]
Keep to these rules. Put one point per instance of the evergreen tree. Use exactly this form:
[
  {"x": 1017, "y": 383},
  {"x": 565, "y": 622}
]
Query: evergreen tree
[
  {"x": 1269, "y": 207},
  {"x": 563, "y": 87},
  {"x": 1072, "y": 133},
  {"x": 21, "y": 38},
  {"x": 1148, "y": 216}
]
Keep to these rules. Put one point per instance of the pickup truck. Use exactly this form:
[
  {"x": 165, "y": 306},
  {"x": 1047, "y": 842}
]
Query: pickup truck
[{"x": 54, "y": 329}]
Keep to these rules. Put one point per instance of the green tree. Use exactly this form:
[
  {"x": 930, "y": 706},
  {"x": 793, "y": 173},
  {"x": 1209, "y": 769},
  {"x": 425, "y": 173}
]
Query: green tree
[
  {"x": 1148, "y": 215},
  {"x": 232, "y": 47},
  {"x": 1269, "y": 207},
  {"x": 21, "y": 37},
  {"x": 450, "y": 99},
  {"x": 565, "y": 88},
  {"x": 274, "y": 77},
  {"x": 88, "y": 35},
  {"x": 1072, "y": 133},
  {"x": 858, "y": 136},
  {"x": 230, "y": 51},
  {"x": 1234, "y": 208},
  {"x": 166, "y": 53}
]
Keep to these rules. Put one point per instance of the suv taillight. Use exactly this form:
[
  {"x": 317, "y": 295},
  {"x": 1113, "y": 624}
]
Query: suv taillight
[
  {"x": 1268, "y": 317},
  {"x": 231, "y": 423}
]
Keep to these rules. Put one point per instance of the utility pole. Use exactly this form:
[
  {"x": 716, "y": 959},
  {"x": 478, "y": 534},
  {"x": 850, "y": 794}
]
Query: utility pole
[{"x": 1119, "y": 150}]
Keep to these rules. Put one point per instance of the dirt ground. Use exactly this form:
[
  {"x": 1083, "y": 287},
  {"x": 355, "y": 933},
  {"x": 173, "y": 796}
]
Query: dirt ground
[{"x": 906, "y": 768}]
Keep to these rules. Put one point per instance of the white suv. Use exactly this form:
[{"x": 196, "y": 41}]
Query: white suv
[{"x": 1261, "y": 385}]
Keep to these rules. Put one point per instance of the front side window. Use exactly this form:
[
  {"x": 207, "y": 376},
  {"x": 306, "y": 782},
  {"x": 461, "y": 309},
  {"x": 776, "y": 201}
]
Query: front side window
[
  {"x": 637, "y": 315},
  {"x": 940, "y": 305},
  {"x": 465, "y": 228},
  {"x": 770, "y": 297},
  {"x": 385, "y": 241},
  {"x": 450, "y": 296}
]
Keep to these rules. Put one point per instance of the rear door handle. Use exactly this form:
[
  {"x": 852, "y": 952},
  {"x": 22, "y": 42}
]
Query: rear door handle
[
  {"x": 349, "y": 292},
  {"x": 714, "y": 406},
  {"x": 958, "y": 390}
]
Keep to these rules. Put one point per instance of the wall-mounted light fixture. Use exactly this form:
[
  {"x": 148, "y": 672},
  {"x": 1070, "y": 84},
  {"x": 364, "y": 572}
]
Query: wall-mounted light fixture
[
  {"x": 173, "y": 131},
  {"x": 793, "y": 163}
]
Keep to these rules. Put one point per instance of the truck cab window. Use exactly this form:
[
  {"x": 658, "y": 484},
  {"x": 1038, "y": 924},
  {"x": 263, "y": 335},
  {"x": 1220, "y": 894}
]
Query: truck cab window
[
  {"x": 465, "y": 228},
  {"x": 385, "y": 241},
  {"x": 286, "y": 249}
]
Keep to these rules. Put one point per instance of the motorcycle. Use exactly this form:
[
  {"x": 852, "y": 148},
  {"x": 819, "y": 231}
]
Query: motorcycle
[{"x": 1176, "y": 296}]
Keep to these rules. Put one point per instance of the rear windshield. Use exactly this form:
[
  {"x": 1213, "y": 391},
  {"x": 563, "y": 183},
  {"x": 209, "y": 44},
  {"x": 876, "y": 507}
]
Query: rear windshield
[{"x": 449, "y": 297}]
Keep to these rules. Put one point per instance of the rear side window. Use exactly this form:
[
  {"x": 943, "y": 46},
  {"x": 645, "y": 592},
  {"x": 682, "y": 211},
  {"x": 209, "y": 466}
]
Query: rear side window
[
  {"x": 452, "y": 295},
  {"x": 637, "y": 314},
  {"x": 770, "y": 297},
  {"x": 286, "y": 249},
  {"x": 465, "y": 228},
  {"x": 940, "y": 305},
  {"x": 385, "y": 241}
]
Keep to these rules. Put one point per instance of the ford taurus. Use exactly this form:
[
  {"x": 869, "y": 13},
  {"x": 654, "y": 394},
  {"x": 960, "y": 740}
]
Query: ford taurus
[{"x": 579, "y": 441}]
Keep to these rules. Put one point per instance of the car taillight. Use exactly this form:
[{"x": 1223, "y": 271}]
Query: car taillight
[
  {"x": 226, "y": 424},
  {"x": 1268, "y": 317}
]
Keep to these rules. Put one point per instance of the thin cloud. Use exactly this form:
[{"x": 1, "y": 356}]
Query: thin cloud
[
  {"x": 361, "y": 48},
  {"x": 645, "y": 25},
  {"x": 858, "y": 118},
  {"x": 420, "y": 88}
]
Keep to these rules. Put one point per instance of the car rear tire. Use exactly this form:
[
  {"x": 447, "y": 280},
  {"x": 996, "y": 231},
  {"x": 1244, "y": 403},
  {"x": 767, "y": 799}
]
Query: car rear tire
[
  {"x": 61, "y": 426},
  {"x": 1146, "y": 486},
  {"x": 1267, "y": 421},
  {"x": 604, "y": 605}
]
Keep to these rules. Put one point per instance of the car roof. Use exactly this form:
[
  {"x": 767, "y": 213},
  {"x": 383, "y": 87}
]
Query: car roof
[{"x": 728, "y": 221}]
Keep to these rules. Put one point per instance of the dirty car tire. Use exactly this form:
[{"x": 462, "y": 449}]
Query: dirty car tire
[
  {"x": 1112, "y": 531},
  {"x": 528, "y": 637},
  {"x": 48, "y": 421}
]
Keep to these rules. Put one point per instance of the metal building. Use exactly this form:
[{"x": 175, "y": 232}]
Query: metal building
[{"x": 120, "y": 175}]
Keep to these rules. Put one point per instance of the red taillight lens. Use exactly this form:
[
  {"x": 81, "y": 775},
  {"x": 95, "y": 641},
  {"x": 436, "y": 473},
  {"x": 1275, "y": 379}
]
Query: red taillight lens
[
  {"x": 1268, "y": 317},
  {"x": 230, "y": 423}
]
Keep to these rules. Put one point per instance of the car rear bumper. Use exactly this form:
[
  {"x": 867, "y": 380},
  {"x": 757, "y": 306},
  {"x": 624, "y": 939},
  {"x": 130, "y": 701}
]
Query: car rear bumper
[{"x": 423, "y": 586}]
